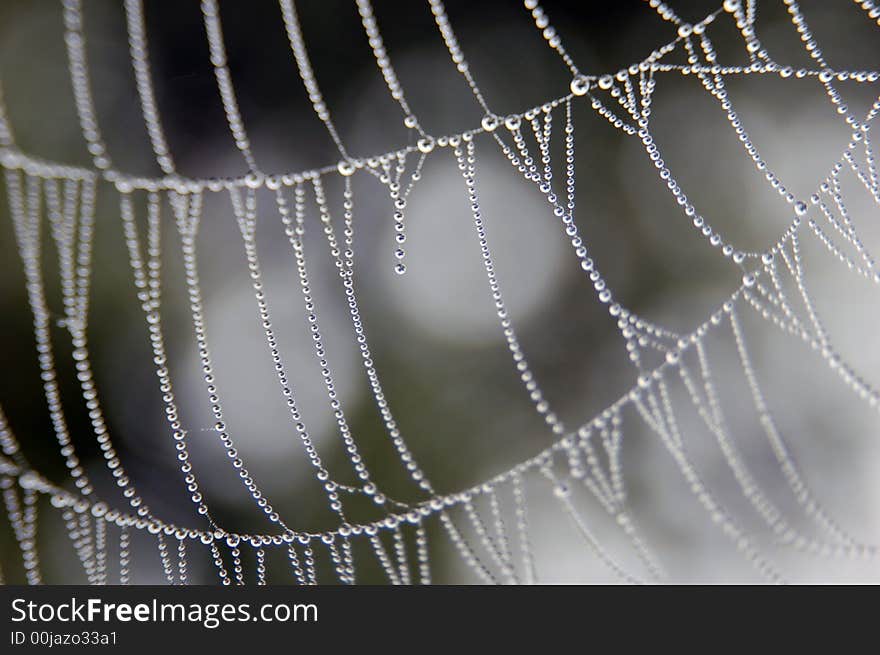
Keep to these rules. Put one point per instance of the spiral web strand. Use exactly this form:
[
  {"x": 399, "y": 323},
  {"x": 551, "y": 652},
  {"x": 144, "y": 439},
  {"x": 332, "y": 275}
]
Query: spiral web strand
[{"x": 487, "y": 525}]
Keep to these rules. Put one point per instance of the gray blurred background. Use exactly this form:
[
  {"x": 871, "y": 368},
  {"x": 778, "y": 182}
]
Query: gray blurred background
[{"x": 434, "y": 334}]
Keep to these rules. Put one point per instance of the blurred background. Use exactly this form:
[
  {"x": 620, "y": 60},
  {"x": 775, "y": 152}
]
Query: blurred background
[{"x": 433, "y": 332}]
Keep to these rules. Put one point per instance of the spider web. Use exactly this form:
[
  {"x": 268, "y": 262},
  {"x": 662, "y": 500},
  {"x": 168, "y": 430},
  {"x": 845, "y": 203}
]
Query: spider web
[{"x": 489, "y": 525}]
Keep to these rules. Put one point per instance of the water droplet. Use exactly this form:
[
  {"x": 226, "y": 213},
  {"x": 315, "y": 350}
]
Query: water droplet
[
  {"x": 800, "y": 208},
  {"x": 253, "y": 180},
  {"x": 731, "y": 6},
  {"x": 400, "y": 269},
  {"x": 580, "y": 85},
  {"x": 345, "y": 168},
  {"x": 489, "y": 123}
]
